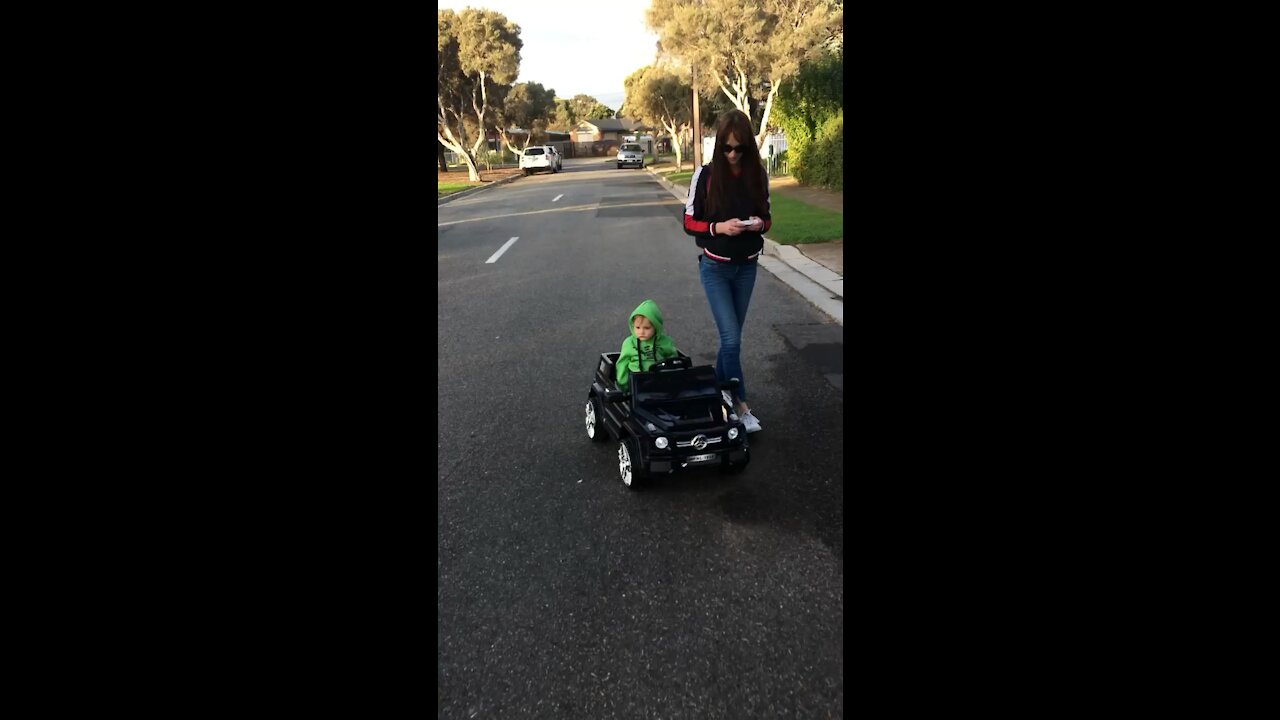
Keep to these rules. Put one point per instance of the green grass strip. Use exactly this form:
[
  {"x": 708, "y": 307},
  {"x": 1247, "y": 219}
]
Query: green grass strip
[
  {"x": 796, "y": 222},
  {"x": 443, "y": 189}
]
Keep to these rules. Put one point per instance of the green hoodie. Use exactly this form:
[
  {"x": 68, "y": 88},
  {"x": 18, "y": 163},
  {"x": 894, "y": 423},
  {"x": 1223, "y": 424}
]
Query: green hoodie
[{"x": 640, "y": 355}]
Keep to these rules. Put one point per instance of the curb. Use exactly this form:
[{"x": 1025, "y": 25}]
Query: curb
[
  {"x": 818, "y": 284},
  {"x": 472, "y": 191}
]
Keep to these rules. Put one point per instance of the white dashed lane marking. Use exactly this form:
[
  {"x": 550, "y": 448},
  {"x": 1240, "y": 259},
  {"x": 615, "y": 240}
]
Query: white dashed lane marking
[
  {"x": 557, "y": 197},
  {"x": 494, "y": 257}
]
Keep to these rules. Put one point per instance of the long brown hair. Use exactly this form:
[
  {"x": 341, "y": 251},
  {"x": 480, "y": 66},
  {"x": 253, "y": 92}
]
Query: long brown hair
[{"x": 722, "y": 180}]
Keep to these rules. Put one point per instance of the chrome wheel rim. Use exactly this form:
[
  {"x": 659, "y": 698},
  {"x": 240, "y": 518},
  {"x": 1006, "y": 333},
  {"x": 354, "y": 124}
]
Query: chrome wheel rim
[
  {"x": 624, "y": 464},
  {"x": 591, "y": 420}
]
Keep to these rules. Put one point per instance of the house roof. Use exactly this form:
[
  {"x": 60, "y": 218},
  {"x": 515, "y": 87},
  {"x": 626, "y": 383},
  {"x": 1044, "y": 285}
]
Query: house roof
[{"x": 615, "y": 124}]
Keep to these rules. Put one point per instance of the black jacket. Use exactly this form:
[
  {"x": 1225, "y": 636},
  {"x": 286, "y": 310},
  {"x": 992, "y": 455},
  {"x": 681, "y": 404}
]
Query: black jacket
[{"x": 741, "y": 248}]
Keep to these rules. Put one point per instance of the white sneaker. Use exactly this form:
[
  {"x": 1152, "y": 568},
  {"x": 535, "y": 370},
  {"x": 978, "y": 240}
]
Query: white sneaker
[{"x": 750, "y": 422}]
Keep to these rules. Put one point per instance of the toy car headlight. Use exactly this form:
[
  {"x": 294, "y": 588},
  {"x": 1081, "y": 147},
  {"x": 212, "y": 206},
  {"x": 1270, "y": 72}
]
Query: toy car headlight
[
  {"x": 661, "y": 443},
  {"x": 733, "y": 433}
]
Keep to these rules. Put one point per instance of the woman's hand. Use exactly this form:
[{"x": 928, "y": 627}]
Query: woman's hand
[
  {"x": 729, "y": 227},
  {"x": 757, "y": 223}
]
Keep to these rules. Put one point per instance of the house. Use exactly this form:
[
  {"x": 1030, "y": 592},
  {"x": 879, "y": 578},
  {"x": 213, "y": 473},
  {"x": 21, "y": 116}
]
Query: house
[
  {"x": 603, "y": 136},
  {"x": 520, "y": 137}
]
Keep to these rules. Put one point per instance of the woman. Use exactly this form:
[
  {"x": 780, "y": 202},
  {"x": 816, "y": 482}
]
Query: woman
[{"x": 727, "y": 211}]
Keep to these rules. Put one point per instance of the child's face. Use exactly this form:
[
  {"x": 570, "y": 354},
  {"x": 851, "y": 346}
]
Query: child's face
[{"x": 641, "y": 326}]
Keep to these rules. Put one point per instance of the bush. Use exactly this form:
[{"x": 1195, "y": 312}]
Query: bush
[
  {"x": 497, "y": 158},
  {"x": 821, "y": 162},
  {"x": 806, "y": 106}
]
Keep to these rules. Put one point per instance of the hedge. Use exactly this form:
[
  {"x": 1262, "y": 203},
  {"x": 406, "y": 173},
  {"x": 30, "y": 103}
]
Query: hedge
[{"x": 821, "y": 162}]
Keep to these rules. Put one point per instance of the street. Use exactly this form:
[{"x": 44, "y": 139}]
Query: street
[{"x": 562, "y": 594}]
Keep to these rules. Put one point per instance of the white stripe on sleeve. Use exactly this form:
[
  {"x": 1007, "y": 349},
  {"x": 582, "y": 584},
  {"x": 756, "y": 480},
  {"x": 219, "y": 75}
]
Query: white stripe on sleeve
[{"x": 693, "y": 190}]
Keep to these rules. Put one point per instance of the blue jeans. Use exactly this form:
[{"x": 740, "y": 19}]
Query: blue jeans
[{"x": 728, "y": 290}]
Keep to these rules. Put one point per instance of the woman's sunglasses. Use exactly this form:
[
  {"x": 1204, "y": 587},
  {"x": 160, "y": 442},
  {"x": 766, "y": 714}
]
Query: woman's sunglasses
[{"x": 734, "y": 148}]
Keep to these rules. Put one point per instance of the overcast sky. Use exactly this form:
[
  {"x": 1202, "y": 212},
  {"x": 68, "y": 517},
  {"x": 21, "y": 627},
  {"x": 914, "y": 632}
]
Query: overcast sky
[{"x": 576, "y": 48}]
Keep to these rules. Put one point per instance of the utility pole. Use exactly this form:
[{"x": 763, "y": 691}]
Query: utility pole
[{"x": 697, "y": 123}]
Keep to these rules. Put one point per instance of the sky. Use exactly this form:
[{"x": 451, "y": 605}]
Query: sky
[{"x": 576, "y": 48}]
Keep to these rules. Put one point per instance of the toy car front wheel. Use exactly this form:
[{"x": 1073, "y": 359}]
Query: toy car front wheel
[
  {"x": 628, "y": 458},
  {"x": 731, "y": 468},
  {"x": 595, "y": 421}
]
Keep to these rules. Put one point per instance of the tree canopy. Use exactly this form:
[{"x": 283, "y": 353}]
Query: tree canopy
[
  {"x": 745, "y": 48},
  {"x": 477, "y": 55},
  {"x": 586, "y": 107},
  {"x": 529, "y": 106}
]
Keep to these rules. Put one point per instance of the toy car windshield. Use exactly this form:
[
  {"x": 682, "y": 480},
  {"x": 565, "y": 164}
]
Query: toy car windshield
[{"x": 675, "y": 385}]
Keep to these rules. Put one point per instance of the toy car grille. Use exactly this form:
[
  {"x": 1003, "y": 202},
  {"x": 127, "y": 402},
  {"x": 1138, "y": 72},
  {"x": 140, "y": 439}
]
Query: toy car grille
[{"x": 689, "y": 443}]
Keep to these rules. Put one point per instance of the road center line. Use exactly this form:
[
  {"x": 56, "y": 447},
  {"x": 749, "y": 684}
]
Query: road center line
[
  {"x": 494, "y": 258},
  {"x": 568, "y": 208},
  {"x": 557, "y": 197}
]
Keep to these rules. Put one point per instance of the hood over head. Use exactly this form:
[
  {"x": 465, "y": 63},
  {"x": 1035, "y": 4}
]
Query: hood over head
[{"x": 649, "y": 309}]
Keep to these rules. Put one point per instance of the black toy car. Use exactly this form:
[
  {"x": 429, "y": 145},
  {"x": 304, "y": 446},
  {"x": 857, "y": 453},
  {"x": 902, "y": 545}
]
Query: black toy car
[{"x": 671, "y": 417}]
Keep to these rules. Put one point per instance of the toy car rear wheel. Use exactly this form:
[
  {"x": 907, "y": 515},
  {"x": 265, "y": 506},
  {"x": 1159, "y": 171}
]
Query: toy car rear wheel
[
  {"x": 595, "y": 421},
  {"x": 628, "y": 470}
]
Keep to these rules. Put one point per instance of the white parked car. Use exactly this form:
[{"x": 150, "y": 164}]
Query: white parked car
[{"x": 540, "y": 157}]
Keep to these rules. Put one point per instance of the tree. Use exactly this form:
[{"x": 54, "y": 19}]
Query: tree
[
  {"x": 528, "y": 106},
  {"x": 739, "y": 45},
  {"x": 478, "y": 54},
  {"x": 585, "y": 107},
  {"x": 656, "y": 96},
  {"x": 564, "y": 118}
]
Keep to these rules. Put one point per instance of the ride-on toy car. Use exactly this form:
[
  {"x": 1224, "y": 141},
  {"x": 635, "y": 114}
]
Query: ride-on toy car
[{"x": 670, "y": 418}]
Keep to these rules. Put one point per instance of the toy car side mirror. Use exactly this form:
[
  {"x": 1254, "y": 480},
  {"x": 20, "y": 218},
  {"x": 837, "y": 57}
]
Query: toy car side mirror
[
  {"x": 730, "y": 384},
  {"x": 614, "y": 395}
]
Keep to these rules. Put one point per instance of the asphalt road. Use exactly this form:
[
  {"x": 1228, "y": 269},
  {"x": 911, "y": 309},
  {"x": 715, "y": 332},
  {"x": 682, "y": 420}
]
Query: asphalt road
[{"x": 561, "y": 593}]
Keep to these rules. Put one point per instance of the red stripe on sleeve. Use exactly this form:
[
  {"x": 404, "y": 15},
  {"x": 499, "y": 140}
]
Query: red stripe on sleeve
[{"x": 696, "y": 226}]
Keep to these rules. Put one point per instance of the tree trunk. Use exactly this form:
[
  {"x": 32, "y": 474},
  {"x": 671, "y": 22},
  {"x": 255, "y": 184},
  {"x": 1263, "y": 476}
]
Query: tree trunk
[
  {"x": 510, "y": 145},
  {"x": 481, "y": 109},
  {"x": 675, "y": 142},
  {"x": 739, "y": 95},
  {"x": 444, "y": 167},
  {"x": 764, "y": 120},
  {"x": 444, "y": 134},
  {"x": 473, "y": 173}
]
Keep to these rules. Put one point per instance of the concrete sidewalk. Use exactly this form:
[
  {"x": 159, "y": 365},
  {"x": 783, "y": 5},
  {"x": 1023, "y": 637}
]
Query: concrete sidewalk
[{"x": 816, "y": 271}]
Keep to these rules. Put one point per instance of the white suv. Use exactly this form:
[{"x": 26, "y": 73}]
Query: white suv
[
  {"x": 540, "y": 157},
  {"x": 631, "y": 154}
]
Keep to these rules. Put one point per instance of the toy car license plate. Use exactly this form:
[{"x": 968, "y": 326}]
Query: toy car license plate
[{"x": 701, "y": 458}]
